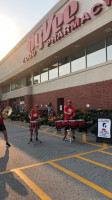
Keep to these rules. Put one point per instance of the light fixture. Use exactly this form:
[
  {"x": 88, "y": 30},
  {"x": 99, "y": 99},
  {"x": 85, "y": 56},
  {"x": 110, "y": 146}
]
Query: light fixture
[
  {"x": 55, "y": 65},
  {"x": 45, "y": 69},
  {"x": 87, "y": 105}
]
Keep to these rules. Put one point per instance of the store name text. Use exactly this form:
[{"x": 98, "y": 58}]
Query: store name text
[{"x": 56, "y": 23}]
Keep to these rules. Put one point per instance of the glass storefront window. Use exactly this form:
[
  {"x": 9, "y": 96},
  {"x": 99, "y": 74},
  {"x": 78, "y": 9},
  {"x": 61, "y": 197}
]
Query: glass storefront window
[
  {"x": 22, "y": 82},
  {"x": 44, "y": 74},
  {"x": 109, "y": 48},
  {"x": 64, "y": 66},
  {"x": 18, "y": 84},
  {"x": 18, "y": 104},
  {"x": 5, "y": 89},
  {"x": 15, "y": 85},
  {"x": 28, "y": 80},
  {"x": 53, "y": 71},
  {"x": 78, "y": 61},
  {"x": 36, "y": 77},
  {"x": 96, "y": 53}
]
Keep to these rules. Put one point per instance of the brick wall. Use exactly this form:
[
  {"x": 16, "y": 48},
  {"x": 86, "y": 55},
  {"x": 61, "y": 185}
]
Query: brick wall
[
  {"x": 98, "y": 95},
  {"x": 28, "y": 102},
  {"x": 9, "y": 102}
]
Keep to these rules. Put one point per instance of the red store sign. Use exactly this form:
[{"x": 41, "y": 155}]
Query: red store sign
[{"x": 54, "y": 26}]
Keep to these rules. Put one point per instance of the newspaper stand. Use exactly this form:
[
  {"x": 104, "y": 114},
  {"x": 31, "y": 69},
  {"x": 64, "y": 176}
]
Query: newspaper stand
[{"x": 104, "y": 133}]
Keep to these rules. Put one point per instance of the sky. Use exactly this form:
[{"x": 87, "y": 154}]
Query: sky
[{"x": 17, "y": 18}]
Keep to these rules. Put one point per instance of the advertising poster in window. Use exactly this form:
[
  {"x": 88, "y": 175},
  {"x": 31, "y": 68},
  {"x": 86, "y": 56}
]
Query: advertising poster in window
[{"x": 104, "y": 128}]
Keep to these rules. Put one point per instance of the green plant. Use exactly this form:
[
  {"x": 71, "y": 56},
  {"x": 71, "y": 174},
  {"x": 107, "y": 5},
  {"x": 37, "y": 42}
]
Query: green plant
[
  {"x": 94, "y": 129},
  {"x": 13, "y": 117}
]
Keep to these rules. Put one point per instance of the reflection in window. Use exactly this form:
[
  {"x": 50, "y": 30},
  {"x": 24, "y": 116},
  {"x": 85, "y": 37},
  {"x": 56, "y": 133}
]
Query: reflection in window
[
  {"x": 18, "y": 84},
  {"x": 44, "y": 74},
  {"x": 64, "y": 66},
  {"x": 28, "y": 80},
  {"x": 18, "y": 104},
  {"x": 5, "y": 89},
  {"x": 36, "y": 77},
  {"x": 53, "y": 71},
  {"x": 22, "y": 83},
  {"x": 96, "y": 53},
  {"x": 78, "y": 61},
  {"x": 109, "y": 48},
  {"x": 15, "y": 85}
]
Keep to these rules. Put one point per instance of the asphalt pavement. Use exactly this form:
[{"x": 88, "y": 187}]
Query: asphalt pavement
[{"x": 52, "y": 168}]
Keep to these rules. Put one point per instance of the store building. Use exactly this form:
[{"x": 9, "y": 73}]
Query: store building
[{"x": 67, "y": 55}]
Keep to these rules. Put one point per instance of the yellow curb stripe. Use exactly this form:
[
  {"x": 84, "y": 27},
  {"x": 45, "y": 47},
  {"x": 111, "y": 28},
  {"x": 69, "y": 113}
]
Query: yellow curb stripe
[
  {"x": 93, "y": 162},
  {"x": 32, "y": 185},
  {"x": 83, "y": 180},
  {"x": 84, "y": 138},
  {"x": 105, "y": 145}
]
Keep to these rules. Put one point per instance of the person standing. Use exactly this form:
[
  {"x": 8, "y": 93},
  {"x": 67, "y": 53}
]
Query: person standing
[
  {"x": 69, "y": 113},
  {"x": 49, "y": 109},
  {"x": 3, "y": 128},
  {"x": 33, "y": 116}
]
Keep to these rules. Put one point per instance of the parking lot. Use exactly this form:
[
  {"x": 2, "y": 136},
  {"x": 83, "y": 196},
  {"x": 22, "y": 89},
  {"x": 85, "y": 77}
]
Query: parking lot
[{"x": 53, "y": 168}]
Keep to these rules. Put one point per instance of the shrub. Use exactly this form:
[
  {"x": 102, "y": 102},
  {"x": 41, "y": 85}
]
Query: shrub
[
  {"x": 13, "y": 117},
  {"x": 94, "y": 129}
]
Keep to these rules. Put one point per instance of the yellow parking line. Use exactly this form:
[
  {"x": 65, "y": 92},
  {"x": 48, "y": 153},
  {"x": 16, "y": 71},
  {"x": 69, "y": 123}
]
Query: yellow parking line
[
  {"x": 25, "y": 167},
  {"x": 106, "y": 152},
  {"x": 50, "y": 134},
  {"x": 54, "y": 133},
  {"x": 44, "y": 131},
  {"x": 58, "y": 159},
  {"x": 103, "y": 148},
  {"x": 5, "y": 172},
  {"x": 97, "y": 145},
  {"x": 83, "y": 180},
  {"x": 93, "y": 162},
  {"x": 32, "y": 185}
]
